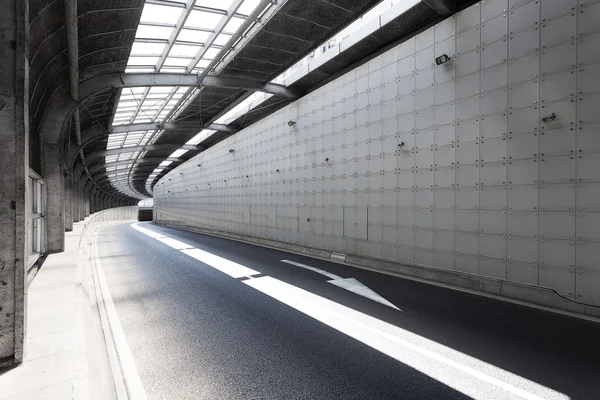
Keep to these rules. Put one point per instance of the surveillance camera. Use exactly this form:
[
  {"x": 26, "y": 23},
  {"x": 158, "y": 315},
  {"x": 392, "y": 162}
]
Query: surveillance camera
[
  {"x": 231, "y": 150},
  {"x": 443, "y": 59},
  {"x": 291, "y": 123}
]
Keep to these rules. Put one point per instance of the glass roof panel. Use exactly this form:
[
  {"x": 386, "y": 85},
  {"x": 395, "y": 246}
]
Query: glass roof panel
[
  {"x": 219, "y": 4},
  {"x": 210, "y": 53},
  {"x": 154, "y": 32},
  {"x": 139, "y": 70},
  {"x": 133, "y": 60},
  {"x": 189, "y": 35},
  {"x": 160, "y": 13},
  {"x": 159, "y": 22},
  {"x": 177, "y": 62},
  {"x": 178, "y": 153},
  {"x": 205, "y": 133},
  {"x": 161, "y": 89},
  {"x": 222, "y": 39},
  {"x": 233, "y": 25},
  {"x": 201, "y": 19},
  {"x": 203, "y": 63},
  {"x": 248, "y": 6},
  {"x": 184, "y": 50},
  {"x": 141, "y": 48}
]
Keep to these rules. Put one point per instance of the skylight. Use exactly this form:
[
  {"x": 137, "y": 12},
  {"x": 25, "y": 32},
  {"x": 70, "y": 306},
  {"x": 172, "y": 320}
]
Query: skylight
[{"x": 177, "y": 36}]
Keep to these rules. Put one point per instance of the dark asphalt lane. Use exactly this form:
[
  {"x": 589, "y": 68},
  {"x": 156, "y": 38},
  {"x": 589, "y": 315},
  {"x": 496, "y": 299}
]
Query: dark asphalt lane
[{"x": 197, "y": 333}]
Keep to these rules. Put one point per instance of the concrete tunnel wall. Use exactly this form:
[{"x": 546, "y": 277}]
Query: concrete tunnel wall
[{"x": 482, "y": 184}]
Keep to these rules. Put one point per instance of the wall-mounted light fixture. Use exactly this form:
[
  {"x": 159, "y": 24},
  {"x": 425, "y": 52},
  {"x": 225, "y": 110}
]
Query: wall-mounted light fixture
[
  {"x": 291, "y": 123},
  {"x": 443, "y": 59},
  {"x": 550, "y": 118}
]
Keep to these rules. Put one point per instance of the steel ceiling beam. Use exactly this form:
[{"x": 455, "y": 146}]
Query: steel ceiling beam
[
  {"x": 152, "y": 147},
  {"x": 171, "y": 126},
  {"x": 57, "y": 116},
  {"x": 98, "y": 167}
]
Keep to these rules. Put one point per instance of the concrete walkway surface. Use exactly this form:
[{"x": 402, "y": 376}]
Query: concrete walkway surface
[{"x": 55, "y": 364}]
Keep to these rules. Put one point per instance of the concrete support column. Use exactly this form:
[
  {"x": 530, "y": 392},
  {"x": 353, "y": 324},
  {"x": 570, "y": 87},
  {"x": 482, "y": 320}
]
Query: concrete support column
[
  {"x": 95, "y": 201},
  {"x": 68, "y": 203},
  {"x": 87, "y": 193},
  {"x": 79, "y": 202},
  {"x": 54, "y": 184},
  {"x": 14, "y": 164}
]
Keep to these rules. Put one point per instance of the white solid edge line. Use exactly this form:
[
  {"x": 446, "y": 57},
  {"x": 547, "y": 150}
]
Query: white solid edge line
[
  {"x": 133, "y": 382},
  {"x": 314, "y": 306},
  {"x": 219, "y": 263}
]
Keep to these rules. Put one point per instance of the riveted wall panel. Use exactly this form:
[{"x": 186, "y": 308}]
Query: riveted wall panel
[
  {"x": 522, "y": 272},
  {"x": 557, "y": 142},
  {"x": 522, "y": 248},
  {"x": 555, "y": 8},
  {"x": 445, "y": 135},
  {"x": 493, "y": 8},
  {"x": 497, "y": 175},
  {"x": 466, "y": 263},
  {"x": 494, "y": 29},
  {"x": 561, "y": 279},
  {"x": 558, "y": 58},
  {"x": 588, "y": 50},
  {"x": 557, "y": 225},
  {"x": 559, "y": 30},
  {"x": 523, "y": 69},
  {"x": 492, "y": 267},
  {"x": 492, "y": 198},
  {"x": 494, "y": 54}
]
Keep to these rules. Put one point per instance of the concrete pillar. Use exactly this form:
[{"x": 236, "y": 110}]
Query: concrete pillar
[
  {"x": 95, "y": 201},
  {"x": 68, "y": 203},
  {"x": 14, "y": 164},
  {"x": 79, "y": 205},
  {"x": 87, "y": 193},
  {"x": 54, "y": 184}
]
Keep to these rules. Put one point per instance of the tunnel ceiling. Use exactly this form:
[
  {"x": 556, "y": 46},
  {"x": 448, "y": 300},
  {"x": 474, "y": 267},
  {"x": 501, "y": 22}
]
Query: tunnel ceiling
[
  {"x": 193, "y": 36},
  {"x": 106, "y": 32}
]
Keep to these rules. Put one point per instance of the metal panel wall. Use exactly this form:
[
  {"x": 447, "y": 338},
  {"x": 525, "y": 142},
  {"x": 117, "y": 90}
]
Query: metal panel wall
[{"x": 488, "y": 164}]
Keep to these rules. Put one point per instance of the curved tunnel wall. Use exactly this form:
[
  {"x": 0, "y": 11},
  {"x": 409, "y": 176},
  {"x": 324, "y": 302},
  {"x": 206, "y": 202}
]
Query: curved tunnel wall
[{"x": 481, "y": 183}]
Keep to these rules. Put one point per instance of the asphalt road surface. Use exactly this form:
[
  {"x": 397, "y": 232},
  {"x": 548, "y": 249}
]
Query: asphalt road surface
[{"x": 210, "y": 318}]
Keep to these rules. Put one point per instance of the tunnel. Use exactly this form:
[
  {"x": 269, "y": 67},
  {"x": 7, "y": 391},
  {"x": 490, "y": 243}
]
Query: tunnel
[{"x": 286, "y": 199}]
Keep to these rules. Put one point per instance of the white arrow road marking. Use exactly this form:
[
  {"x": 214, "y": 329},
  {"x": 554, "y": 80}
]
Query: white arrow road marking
[
  {"x": 317, "y": 270},
  {"x": 349, "y": 284}
]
